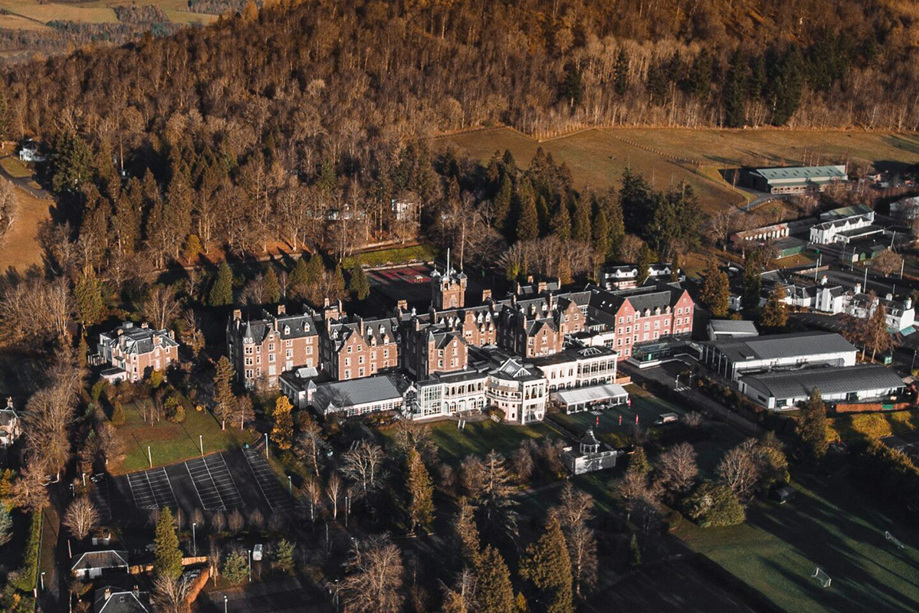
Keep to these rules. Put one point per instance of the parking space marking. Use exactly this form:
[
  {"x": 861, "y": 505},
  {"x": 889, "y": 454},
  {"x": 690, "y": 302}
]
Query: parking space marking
[
  {"x": 204, "y": 485},
  {"x": 265, "y": 478},
  {"x": 223, "y": 479}
]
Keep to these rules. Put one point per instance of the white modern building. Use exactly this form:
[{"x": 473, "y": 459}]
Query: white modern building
[
  {"x": 785, "y": 390},
  {"x": 590, "y": 398},
  {"x": 736, "y": 357}
]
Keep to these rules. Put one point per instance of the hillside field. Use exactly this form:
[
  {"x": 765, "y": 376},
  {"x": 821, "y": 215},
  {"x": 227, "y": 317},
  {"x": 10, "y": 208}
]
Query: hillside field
[
  {"x": 598, "y": 157},
  {"x": 35, "y": 15}
]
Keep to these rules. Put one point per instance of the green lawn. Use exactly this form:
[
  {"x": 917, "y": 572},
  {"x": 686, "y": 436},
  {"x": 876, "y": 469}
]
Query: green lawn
[
  {"x": 398, "y": 255},
  {"x": 829, "y": 524},
  {"x": 479, "y": 438},
  {"x": 15, "y": 168},
  {"x": 170, "y": 443}
]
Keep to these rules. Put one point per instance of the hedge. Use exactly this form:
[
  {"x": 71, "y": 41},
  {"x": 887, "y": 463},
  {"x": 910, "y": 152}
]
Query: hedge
[{"x": 28, "y": 574}]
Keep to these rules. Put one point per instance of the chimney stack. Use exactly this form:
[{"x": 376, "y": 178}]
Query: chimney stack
[
  {"x": 237, "y": 314},
  {"x": 402, "y": 305},
  {"x": 282, "y": 310},
  {"x": 486, "y": 295},
  {"x": 108, "y": 593}
]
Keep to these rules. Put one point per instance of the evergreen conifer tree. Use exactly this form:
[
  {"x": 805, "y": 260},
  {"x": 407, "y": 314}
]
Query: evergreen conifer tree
[
  {"x": 421, "y": 492},
  {"x": 811, "y": 427},
  {"x": 272, "y": 287},
  {"x": 358, "y": 284},
  {"x": 495, "y": 592},
  {"x": 716, "y": 291},
  {"x": 548, "y": 566},
  {"x": 221, "y": 293},
  {"x": 168, "y": 556}
]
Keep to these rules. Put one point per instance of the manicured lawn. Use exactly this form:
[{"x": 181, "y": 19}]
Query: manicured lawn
[
  {"x": 829, "y": 524},
  {"x": 170, "y": 443},
  {"x": 399, "y": 255},
  {"x": 481, "y": 437},
  {"x": 15, "y": 168}
]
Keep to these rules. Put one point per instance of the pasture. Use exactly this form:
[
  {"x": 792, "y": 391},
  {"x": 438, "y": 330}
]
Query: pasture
[{"x": 666, "y": 156}]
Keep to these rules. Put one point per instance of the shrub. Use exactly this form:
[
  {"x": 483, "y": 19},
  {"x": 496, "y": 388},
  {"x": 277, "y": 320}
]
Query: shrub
[
  {"x": 118, "y": 416},
  {"x": 714, "y": 505},
  {"x": 235, "y": 568},
  {"x": 285, "y": 555},
  {"x": 25, "y": 579},
  {"x": 98, "y": 387},
  {"x": 175, "y": 412}
]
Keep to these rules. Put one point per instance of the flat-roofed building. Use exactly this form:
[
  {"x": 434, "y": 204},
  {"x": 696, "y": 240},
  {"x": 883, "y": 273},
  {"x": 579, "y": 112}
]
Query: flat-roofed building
[
  {"x": 578, "y": 366},
  {"x": 735, "y": 357},
  {"x": 785, "y": 390},
  {"x": 795, "y": 179},
  {"x": 589, "y": 398}
]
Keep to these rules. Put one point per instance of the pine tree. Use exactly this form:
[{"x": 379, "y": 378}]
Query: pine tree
[
  {"x": 421, "y": 492},
  {"x": 88, "y": 294},
  {"x": 221, "y": 293},
  {"x": 752, "y": 280},
  {"x": 621, "y": 73},
  {"x": 272, "y": 288},
  {"x": 224, "y": 400},
  {"x": 581, "y": 230},
  {"x": 71, "y": 164},
  {"x": 282, "y": 432},
  {"x": 716, "y": 291},
  {"x": 811, "y": 427},
  {"x": 501, "y": 205},
  {"x": 168, "y": 556},
  {"x": 639, "y": 461},
  {"x": 602, "y": 241},
  {"x": 561, "y": 220},
  {"x": 675, "y": 267},
  {"x": 644, "y": 264},
  {"x": 732, "y": 97},
  {"x": 877, "y": 336},
  {"x": 358, "y": 284},
  {"x": 467, "y": 534},
  {"x": 775, "y": 313},
  {"x": 528, "y": 217},
  {"x": 495, "y": 592},
  {"x": 6, "y": 524},
  {"x": 548, "y": 566},
  {"x": 298, "y": 282}
]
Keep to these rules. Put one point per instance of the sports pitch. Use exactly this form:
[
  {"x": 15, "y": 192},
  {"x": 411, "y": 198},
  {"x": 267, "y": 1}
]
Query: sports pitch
[{"x": 830, "y": 524}]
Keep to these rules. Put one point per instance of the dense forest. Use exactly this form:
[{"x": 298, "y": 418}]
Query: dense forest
[{"x": 318, "y": 116}]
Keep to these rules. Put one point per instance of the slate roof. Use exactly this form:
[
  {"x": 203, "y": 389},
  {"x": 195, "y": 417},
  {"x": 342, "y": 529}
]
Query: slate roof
[
  {"x": 121, "y": 601},
  {"x": 777, "y": 346},
  {"x": 101, "y": 559},
  {"x": 135, "y": 340},
  {"x": 355, "y": 392},
  {"x": 801, "y": 383}
]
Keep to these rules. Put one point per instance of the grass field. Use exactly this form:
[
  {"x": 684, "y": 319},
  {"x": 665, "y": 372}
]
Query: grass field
[
  {"x": 15, "y": 168},
  {"x": 19, "y": 247},
  {"x": 828, "y": 524},
  {"x": 170, "y": 443},
  {"x": 32, "y": 14},
  {"x": 478, "y": 438},
  {"x": 597, "y": 158}
]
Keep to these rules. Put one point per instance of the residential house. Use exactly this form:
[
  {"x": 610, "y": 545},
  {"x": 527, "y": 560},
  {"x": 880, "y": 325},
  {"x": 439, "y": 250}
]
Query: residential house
[
  {"x": 625, "y": 276},
  {"x": 137, "y": 350},
  {"x": 112, "y": 599},
  {"x": 10, "y": 424},
  {"x": 900, "y": 315},
  {"x": 93, "y": 564}
]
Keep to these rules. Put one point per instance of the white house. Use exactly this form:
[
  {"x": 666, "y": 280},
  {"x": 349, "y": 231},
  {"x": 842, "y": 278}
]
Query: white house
[{"x": 900, "y": 314}]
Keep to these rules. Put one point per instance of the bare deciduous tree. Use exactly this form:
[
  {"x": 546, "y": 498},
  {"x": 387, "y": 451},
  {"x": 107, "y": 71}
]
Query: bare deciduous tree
[
  {"x": 677, "y": 469},
  {"x": 171, "y": 595},
  {"x": 375, "y": 582},
  {"x": 361, "y": 465},
  {"x": 334, "y": 491},
  {"x": 310, "y": 443},
  {"x": 160, "y": 306},
  {"x": 81, "y": 517},
  {"x": 740, "y": 468}
]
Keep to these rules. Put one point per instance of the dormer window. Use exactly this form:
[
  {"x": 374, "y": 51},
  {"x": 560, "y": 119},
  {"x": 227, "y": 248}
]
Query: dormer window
[{"x": 286, "y": 329}]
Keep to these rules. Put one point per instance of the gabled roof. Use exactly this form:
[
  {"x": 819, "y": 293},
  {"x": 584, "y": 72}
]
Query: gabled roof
[
  {"x": 341, "y": 394},
  {"x": 121, "y": 601},
  {"x": 109, "y": 558}
]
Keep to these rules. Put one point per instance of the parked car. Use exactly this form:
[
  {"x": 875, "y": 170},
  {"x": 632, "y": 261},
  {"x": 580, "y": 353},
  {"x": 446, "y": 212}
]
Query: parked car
[
  {"x": 782, "y": 495},
  {"x": 667, "y": 418},
  {"x": 257, "y": 552}
]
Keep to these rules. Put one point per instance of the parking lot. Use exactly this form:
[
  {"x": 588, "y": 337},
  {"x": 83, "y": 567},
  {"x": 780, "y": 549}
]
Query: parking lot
[
  {"x": 152, "y": 489},
  {"x": 219, "y": 482},
  {"x": 277, "y": 497},
  {"x": 213, "y": 483}
]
